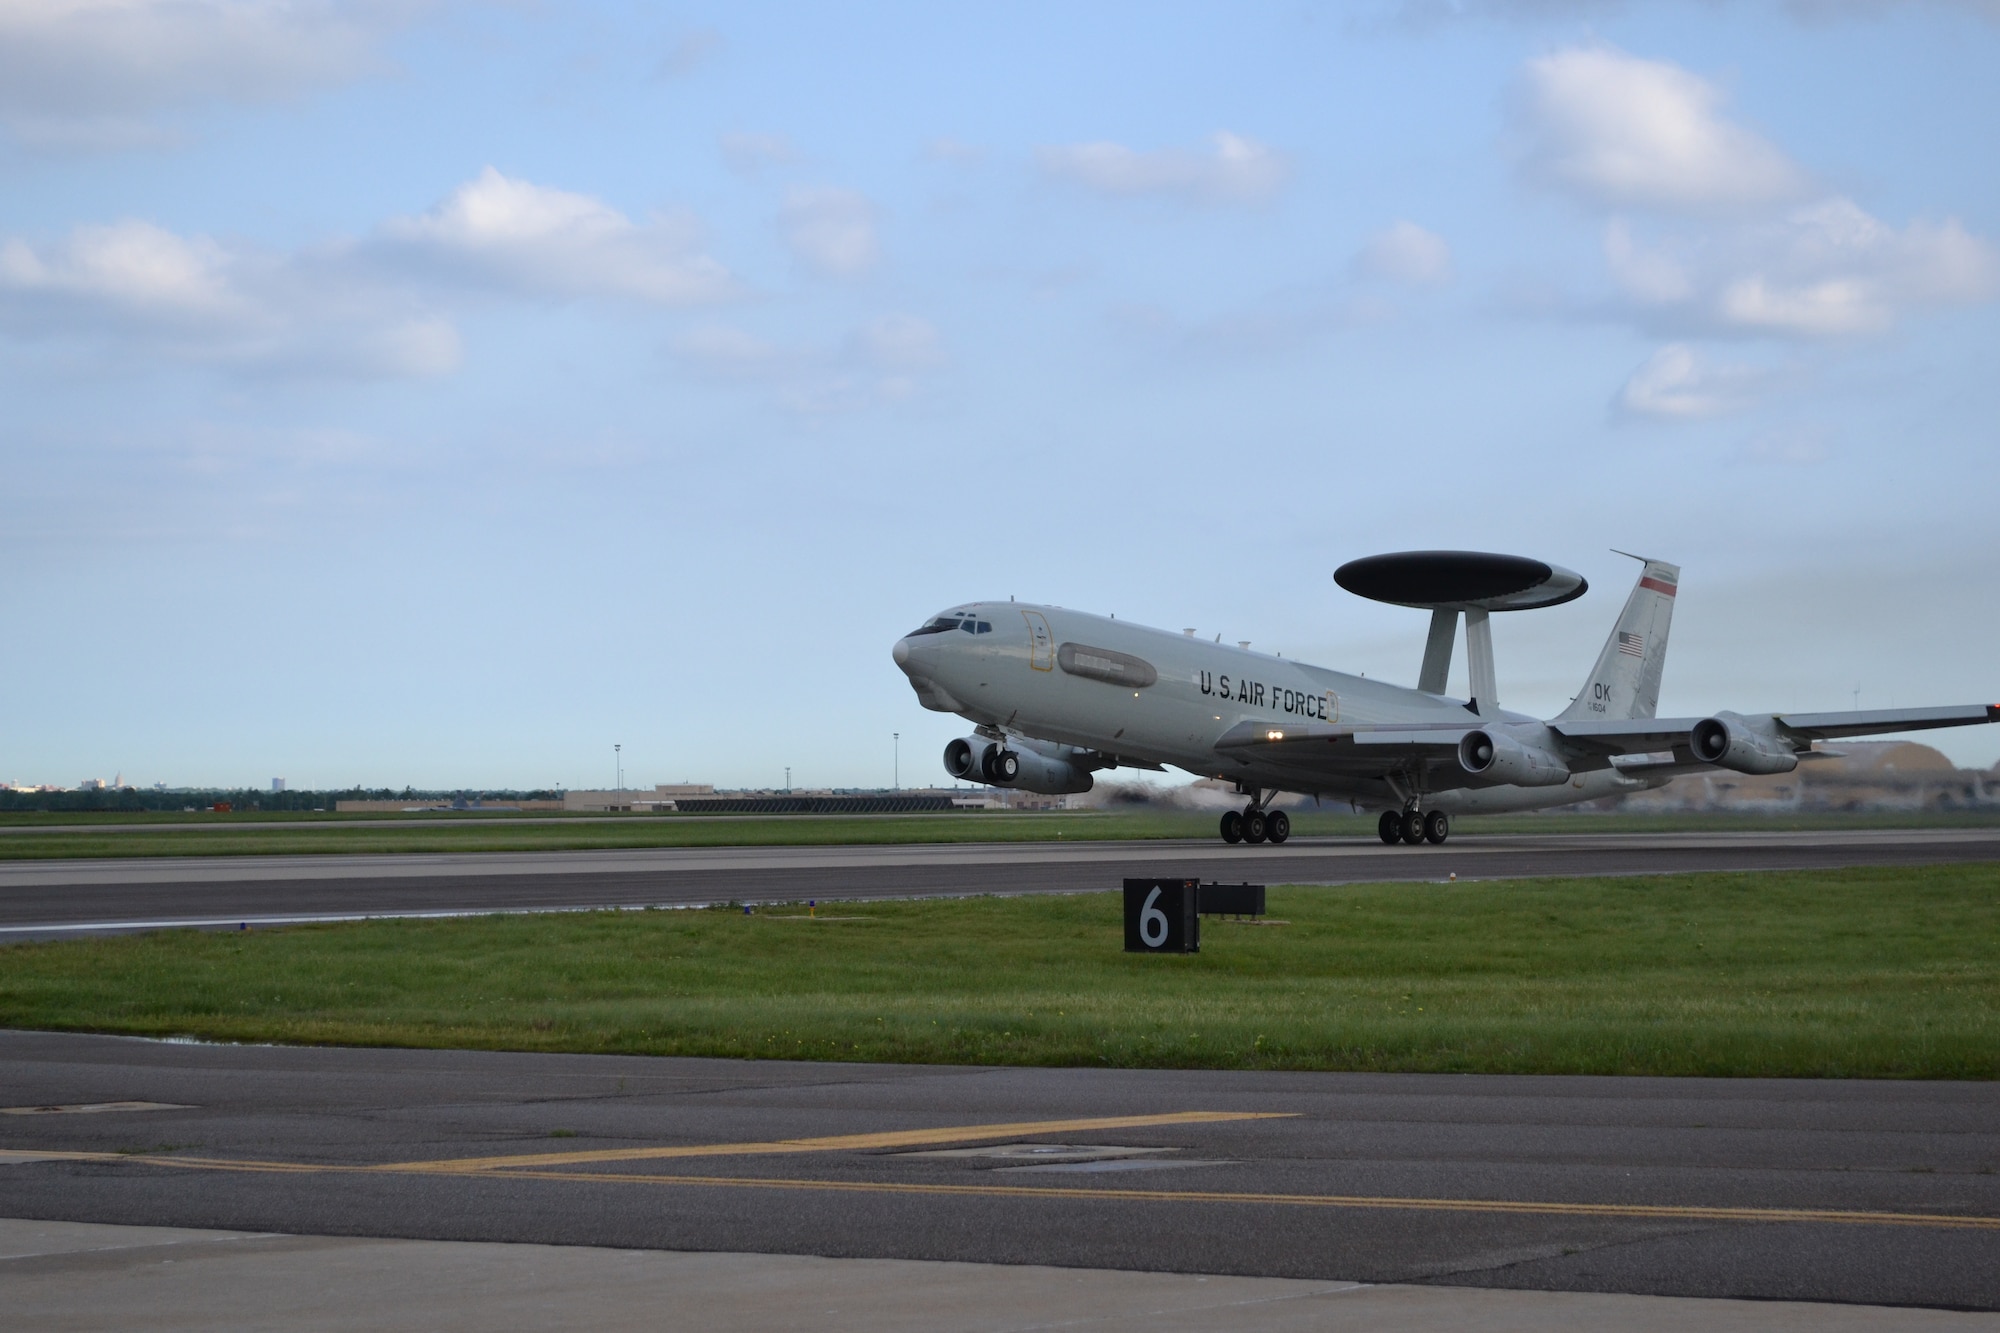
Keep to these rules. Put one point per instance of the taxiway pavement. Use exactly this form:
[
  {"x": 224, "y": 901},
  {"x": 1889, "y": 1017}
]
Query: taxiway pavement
[
  {"x": 54, "y": 898},
  {"x": 1871, "y": 1192}
]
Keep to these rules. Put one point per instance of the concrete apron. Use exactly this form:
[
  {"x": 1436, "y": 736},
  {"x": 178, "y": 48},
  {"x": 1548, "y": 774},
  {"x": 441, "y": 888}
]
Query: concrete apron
[{"x": 68, "y": 1275}]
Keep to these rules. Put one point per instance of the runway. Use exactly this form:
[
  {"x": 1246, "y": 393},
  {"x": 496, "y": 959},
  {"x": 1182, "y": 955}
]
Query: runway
[
  {"x": 1873, "y": 1192},
  {"x": 56, "y": 898}
]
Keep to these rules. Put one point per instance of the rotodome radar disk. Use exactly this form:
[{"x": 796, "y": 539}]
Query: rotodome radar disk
[{"x": 1460, "y": 581}]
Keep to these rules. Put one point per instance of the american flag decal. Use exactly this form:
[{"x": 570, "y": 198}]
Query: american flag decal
[{"x": 1632, "y": 645}]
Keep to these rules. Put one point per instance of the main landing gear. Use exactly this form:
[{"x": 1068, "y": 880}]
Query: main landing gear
[
  {"x": 1413, "y": 827},
  {"x": 1255, "y": 824}
]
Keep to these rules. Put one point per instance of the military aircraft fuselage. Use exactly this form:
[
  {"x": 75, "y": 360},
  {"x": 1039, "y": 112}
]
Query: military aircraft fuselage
[{"x": 1131, "y": 695}]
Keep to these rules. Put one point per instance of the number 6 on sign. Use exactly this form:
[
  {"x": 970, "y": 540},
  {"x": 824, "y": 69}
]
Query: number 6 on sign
[{"x": 1160, "y": 916}]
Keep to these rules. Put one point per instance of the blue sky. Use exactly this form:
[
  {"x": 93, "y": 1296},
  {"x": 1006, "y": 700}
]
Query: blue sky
[{"x": 438, "y": 394}]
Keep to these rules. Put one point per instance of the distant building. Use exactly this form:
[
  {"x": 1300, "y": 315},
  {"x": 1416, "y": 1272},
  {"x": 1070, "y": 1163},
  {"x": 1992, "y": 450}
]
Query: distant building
[
  {"x": 661, "y": 797},
  {"x": 277, "y": 784},
  {"x": 703, "y": 798},
  {"x": 1846, "y": 775},
  {"x": 420, "y": 805}
]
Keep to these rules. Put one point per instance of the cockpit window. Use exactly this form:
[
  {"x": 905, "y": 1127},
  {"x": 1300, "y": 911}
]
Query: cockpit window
[
  {"x": 968, "y": 627},
  {"x": 938, "y": 626},
  {"x": 985, "y": 628}
]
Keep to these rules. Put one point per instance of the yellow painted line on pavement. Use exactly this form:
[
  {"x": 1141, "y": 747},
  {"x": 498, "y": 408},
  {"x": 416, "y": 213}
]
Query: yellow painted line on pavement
[
  {"x": 12, "y": 1156},
  {"x": 1639, "y": 1211},
  {"x": 898, "y": 1138},
  {"x": 1518, "y": 1207}
]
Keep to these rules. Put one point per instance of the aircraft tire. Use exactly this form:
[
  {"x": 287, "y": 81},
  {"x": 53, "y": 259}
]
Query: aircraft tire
[
  {"x": 1277, "y": 826},
  {"x": 1390, "y": 827},
  {"x": 1232, "y": 826},
  {"x": 1255, "y": 826},
  {"x": 1006, "y": 765},
  {"x": 1437, "y": 827},
  {"x": 1413, "y": 828}
]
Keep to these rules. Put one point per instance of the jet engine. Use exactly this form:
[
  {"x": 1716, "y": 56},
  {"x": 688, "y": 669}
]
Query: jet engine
[
  {"x": 1729, "y": 740},
  {"x": 1036, "y": 766},
  {"x": 1501, "y": 758}
]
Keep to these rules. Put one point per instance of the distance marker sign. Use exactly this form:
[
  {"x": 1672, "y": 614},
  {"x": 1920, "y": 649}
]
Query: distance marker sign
[{"x": 1160, "y": 916}]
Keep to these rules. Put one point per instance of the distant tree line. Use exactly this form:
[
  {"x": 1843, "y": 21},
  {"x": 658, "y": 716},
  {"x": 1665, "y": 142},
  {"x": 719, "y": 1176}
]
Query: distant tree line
[{"x": 137, "y": 799}]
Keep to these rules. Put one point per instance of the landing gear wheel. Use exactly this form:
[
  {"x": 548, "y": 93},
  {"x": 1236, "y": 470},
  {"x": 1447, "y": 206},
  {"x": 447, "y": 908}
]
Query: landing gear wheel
[
  {"x": 1390, "y": 827},
  {"x": 1277, "y": 826},
  {"x": 1436, "y": 828},
  {"x": 1256, "y": 826},
  {"x": 1232, "y": 826},
  {"x": 1006, "y": 766},
  {"x": 1413, "y": 827}
]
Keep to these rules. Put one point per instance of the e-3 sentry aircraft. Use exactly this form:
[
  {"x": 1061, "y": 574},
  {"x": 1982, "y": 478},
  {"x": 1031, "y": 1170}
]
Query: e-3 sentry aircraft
[{"x": 1056, "y": 694}]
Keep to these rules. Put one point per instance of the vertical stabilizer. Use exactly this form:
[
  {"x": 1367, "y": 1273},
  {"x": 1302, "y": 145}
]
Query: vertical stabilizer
[{"x": 1625, "y": 683}]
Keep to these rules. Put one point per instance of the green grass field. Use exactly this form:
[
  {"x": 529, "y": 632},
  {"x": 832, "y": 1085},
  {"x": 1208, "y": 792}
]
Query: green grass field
[
  {"x": 187, "y": 835},
  {"x": 1870, "y": 973}
]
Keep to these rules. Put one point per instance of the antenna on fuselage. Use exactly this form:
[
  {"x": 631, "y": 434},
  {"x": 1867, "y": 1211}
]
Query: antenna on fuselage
[{"x": 1448, "y": 583}]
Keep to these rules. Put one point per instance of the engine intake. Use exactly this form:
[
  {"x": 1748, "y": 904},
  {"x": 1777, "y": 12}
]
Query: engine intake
[
  {"x": 1501, "y": 758},
  {"x": 1025, "y": 765},
  {"x": 1729, "y": 740}
]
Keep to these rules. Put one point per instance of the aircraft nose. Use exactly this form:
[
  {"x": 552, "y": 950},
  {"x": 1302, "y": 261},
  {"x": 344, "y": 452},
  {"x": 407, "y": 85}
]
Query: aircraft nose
[{"x": 901, "y": 652}]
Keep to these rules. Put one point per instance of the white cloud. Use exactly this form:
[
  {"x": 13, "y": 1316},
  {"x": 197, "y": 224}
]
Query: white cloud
[
  {"x": 689, "y": 52},
  {"x": 746, "y": 151},
  {"x": 1233, "y": 168},
  {"x": 1826, "y": 270},
  {"x": 899, "y": 342},
  {"x": 1420, "y": 15},
  {"x": 1739, "y": 246},
  {"x": 193, "y": 299},
  {"x": 944, "y": 148},
  {"x": 875, "y": 364},
  {"x": 1408, "y": 253},
  {"x": 1624, "y": 132},
  {"x": 100, "y": 73},
  {"x": 497, "y": 230},
  {"x": 380, "y": 306},
  {"x": 1793, "y": 446},
  {"x": 1677, "y": 383},
  {"x": 830, "y": 230},
  {"x": 728, "y": 352}
]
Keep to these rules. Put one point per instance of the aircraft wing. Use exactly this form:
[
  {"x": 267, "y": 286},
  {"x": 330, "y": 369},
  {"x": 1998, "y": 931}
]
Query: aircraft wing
[
  {"x": 1323, "y": 750},
  {"x": 1416, "y": 739},
  {"x": 1647, "y": 745},
  {"x": 1642, "y": 735}
]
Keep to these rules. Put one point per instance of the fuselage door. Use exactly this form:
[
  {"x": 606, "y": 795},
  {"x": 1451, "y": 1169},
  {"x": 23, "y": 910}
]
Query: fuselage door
[
  {"x": 1330, "y": 709},
  {"x": 1041, "y": 644}
]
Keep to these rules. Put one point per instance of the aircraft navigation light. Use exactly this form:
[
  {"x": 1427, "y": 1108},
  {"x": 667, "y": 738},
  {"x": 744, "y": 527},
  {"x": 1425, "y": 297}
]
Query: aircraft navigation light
[{"x": 1274, "y": 735}]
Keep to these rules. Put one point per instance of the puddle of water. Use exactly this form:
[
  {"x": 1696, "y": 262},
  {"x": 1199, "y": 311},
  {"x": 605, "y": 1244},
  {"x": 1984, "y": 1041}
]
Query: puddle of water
[
  {"x": 93, "y": 1108},
  {"x": 1044, "y": 1152},
  {"x": 1118, "y": 1164}
]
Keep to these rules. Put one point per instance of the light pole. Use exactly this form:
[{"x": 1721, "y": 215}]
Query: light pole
[
  {"x": 788, "y": 779},
  {"x": 618, "y": 765},
  {"x": 899, "y": 758}
]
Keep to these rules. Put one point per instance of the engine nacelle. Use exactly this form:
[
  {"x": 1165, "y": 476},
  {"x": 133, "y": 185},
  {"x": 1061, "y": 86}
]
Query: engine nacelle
[
  {"x": 1023, "y": 765},
  {"x": 970, "y": 759},
  {"x": 1499, "y": 757},
  {"x": 1729, "y": 740}
]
